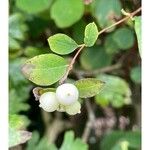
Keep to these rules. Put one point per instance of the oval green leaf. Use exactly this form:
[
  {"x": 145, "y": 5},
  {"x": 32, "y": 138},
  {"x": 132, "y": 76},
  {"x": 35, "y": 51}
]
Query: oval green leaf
[
  {"x": 124, "y": 38},
  {"x": 91, "y": 34},
  {"x": 135, "y": 74},
  {"x": 89, "y": 87},
  {"x": 45, "y": 69},
  {"x": 62, "y": 44},
  {"x": 33, "y": 6},
  {"x": 115, "y": 92},
  {"x": 66, "y": 13},
  {"x": 100, "y": 58},
  {"x": 105, "y": 12}
]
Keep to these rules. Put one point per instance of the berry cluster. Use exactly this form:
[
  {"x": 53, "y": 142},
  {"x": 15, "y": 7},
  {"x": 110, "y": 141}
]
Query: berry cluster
[{"x": 64, "y": 100}]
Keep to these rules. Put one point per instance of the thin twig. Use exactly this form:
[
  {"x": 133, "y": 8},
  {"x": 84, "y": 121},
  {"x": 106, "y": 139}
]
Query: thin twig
[
  {"x": 90, "y": 122},
  {"x": 102, "y": 31},
  {"x": 71, "y": 64},
  {"x": 98, "y": 71},
  {"x": 121, "y": 21}
]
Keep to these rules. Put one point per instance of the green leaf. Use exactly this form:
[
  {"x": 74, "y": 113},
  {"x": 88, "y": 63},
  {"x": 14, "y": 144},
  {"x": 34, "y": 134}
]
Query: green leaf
[
  {"x": 137, "y": 27},
  {"x": 70, "y": 143},
  {"x": 17, "y": 31},
  {"x": 31, "y": 51},
  {"x": 45, "y": 69},
  {"x": 17, "y": 101},
  {"x": 89, "y": 87},
  {"x": 100, "y": 58},
  {"x": 117, "y": 137},
  {"x": 18, "y": 85},
  {"x": 110, "y": 45},
  {"x": 91, "y": 34},
  {"x": 73, "y": 109},
  {"x": 106, "y": 11},
  {"x": 62, "y": 44},
  {"x": 66, "y": 13},
  {"x": 18, "y": 121},
  {"x": 116, "y": 91},
  {"x": 135, "y": 74},
  {"x": 33, "y": 6},
  {"x": 17, "y": 136},
  {"x": 124, "y": 38},
  {"x": 78, "y": 29},
  {"x": 38, "y": 143}
]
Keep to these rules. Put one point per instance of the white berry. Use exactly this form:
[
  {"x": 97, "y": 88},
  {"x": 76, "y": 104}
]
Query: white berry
[
  {"x": 49, "y": 102},
  {"x": 74, "y": 108},
  {"x": 67, "y": 94}
]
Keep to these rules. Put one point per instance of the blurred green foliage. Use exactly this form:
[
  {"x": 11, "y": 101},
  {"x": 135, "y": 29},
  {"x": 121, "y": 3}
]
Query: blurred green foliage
[
  {"x": 116, "y": 91},
  {"x": 31, "y": 23}
]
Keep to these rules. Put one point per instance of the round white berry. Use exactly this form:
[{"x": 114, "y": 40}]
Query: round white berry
[
  {"x": 74, "y": 108},
  {"x": 67, "y": 94},
  {"x": 49, "y": 102}
]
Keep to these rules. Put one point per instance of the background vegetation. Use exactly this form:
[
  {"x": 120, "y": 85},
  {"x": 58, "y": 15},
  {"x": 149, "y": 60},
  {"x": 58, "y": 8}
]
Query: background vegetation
[{"x": 109, "y": 121}]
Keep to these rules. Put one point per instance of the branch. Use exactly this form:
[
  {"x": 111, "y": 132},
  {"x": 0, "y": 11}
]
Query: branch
[
  {"x": 90, "y": 122},
  {"x": 121, "y": 21},
  {"x": 98, "y": 71},
  {"x": 130, "y": 15},
  {"x": 71, "y": 65}
]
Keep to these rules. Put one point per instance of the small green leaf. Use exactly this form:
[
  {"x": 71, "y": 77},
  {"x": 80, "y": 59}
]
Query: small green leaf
[
  {"x": 89, "y": 87},
  {"x": 110, "y": 45},
  {"x": 17, "y": 136},
  {"x": 70, "y": 143},
  {"x": 45, "y": 69},
  {"x": 105, "y": 11},
  {"x": 135, "y": 74},
  {"x": 111, "y": 140},
  {"x": 31, "y": 51},
  {"x": 124, "y": 38},
  {"x": 66, "y": 13},
  {"x": 38, "y": 143},
  {"x": 33, "y": 6},
  {"x": 91, "y": 34},
  {"x": 100, "y": 58},
  {"x": 73, "y": 109},
  {"x": 137, "y": 27},
  {"x": 78, "y": 29},
  {"x": 116, "y": 91},
  {"x": 17, "y": 31},
  {"x": 62, "y": 44}
]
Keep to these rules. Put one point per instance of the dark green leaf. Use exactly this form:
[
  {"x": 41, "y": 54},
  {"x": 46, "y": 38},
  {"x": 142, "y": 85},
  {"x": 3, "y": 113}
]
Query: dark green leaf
[
  {"x": 95, "y": 58},
  {"x": 135, "y": 74},
  {"x": 124, "y": 38},
  {"x": 110, "y": 45},
  {"x": 115, "y": 137},
  {"x": 78, "y": 31},
  {"x": 106, "y": 11}
]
